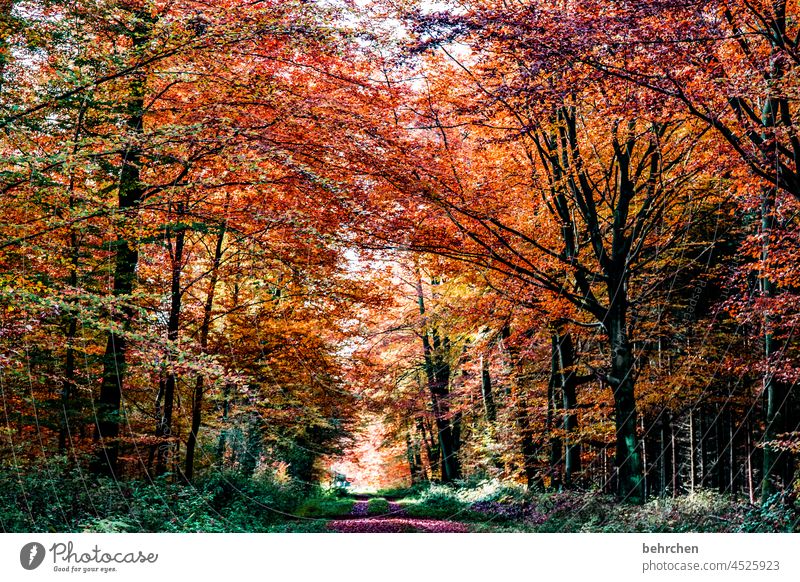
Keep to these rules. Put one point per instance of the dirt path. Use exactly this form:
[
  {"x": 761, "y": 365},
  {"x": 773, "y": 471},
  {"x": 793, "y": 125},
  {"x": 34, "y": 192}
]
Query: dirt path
[{"x": 395, "y": 521}]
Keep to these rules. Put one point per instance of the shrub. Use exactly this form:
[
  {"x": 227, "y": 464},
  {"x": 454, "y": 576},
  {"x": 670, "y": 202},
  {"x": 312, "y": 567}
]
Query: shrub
[
  {"x": 777, "y": 515},
  {"x": 437, "y": 502}
]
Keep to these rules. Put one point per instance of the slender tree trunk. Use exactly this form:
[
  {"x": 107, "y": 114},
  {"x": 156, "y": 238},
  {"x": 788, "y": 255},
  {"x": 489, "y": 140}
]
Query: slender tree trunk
[
  {"x": 732, "y": 472},
  {"x": 431, "y": 446},
  {"x": 417, "y": 450},
  {"x": 668, "y": 468},
  {"x": 131, "y": 194},
  {"x": 721, "y": 432},
  {"x": 528, "y": 447},
  {"x": 67, "y": 386},
  {"x": 414, "y": 460},
  {"x": 702, "y": 442},
  {"x": 674, "y": 466},
  {"x": 222, "y": 442},
  {"x": 486, "y": 391},
  {"x": 6, "y": 28},
  {"x": 749, "y": 466},
  {"x": 166, "y": 448},
  {"x": 569, "y": 382},
  {"x": 197, "y": 401},
  {"x": 554, "y": 387},
  {"x": 437, "y": 372},
  {"x": 692, "y": 449},
  {"x": 68, "y": 383}
]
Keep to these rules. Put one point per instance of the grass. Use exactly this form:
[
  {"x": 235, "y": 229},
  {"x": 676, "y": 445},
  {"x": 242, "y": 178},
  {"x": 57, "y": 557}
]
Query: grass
[
  {"x": 325, "y": 507},
  {"x": 377, "y": 506},
  {"x": 500, "y": 507},
  {"x": 61, "y": 498}
]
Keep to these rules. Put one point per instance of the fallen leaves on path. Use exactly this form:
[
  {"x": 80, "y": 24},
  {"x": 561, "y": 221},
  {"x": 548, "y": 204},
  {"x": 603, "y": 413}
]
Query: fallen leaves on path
[{"x": 396, "y": 525}]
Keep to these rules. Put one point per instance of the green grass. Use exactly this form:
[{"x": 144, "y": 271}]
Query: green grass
[
  {"x": 60, "y": 497},
  {"x": 378, "y": 506},
  {"x": 301, "y": 526},
  {"x": 325, "y": 507},
  {"x": 501, "y": 507},
  {"x": 436, "y": 503},
  {"x": 402, "y": 492}
]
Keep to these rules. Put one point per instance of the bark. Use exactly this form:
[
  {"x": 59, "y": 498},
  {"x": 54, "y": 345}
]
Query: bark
[
  {"x": 199, "y": 388},
  {"x": 628, "y": 459},
  {"x": 414, "y": 461},
  {"x": 437, "y": 373},
  {"x": 692, "y": 450},
  {"x": 667, "y": 454},
  {"x": 489, "y": 408},
  {"x": 165, "y": 428},
  {"x": 431, "y": 447},
  {"x": 222, "y": 442},
  {"x": 130, "y": 195},
  {"x": 778, "y": 466},
  {"x": 554, "y": 387},
  {"x": 6, "y": 28},
  {"x": 68, "y": 386},
  {"x": 569, "y": 403},
  {"x": 529, "y": 448},
  {"x": 575, "y": 194},
  {"x": 721, "y": 434},
  {"x": 68, "y": 383}
]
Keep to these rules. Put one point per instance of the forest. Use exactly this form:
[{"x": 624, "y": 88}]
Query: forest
[{"x": 397, "y": 265}]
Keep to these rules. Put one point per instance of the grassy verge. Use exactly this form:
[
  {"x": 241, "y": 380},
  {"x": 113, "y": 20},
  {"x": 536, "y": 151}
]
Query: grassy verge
[
  {"x": 325, "y": 507},
  {"x": 497, "y": 507},
  {"x": 378, "y": 506}
]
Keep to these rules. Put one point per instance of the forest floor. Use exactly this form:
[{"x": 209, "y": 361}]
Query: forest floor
[
  {"x": 394, "y": 520},
  {"x": 235, "y": 503},
  {"x": 495, "y": 507}
]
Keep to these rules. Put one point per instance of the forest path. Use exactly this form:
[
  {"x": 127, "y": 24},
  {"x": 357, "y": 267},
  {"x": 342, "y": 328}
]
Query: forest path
[{"x": 394, "y": 521}]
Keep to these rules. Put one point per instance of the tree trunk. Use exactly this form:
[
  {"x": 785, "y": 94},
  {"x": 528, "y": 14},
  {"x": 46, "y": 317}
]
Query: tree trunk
[
  {"x": 431, "y": 446},
  {"x": 528, "y": 447},
  {"x": 197, "y": 401},
  {"x": 130, "y": 195},
  {"x": 414, "y": 461},
  {"x": 777, "y": 463},
  {"x": 530, "y": 452},
  {"x": 165, "y": 427},
  {"x": 723, "y": 452},
  {"x": 6, "y": 29},
  {"x": 667, "y": 454},
  {"x": 628, "y": 455},
  {"x": 222, "y": 442},
  {"x": 554, "y": 399},
  {"x": 489, "y": 407},
  {"x": 437, "y": 372},
  {"x": 569, "y": 382},
  {"x": 68, "y": 383},
  {"x": 692, "y": 450}
]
